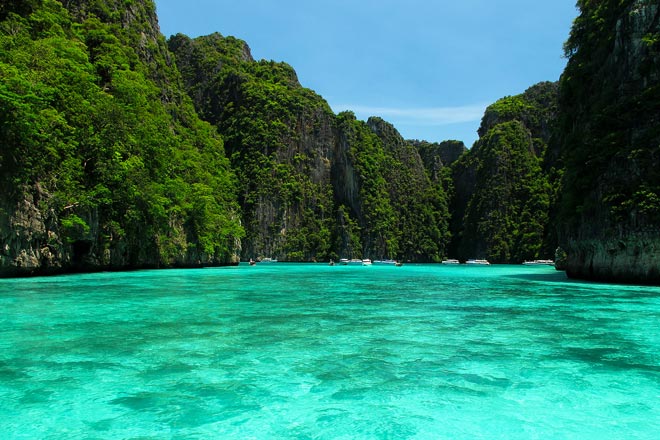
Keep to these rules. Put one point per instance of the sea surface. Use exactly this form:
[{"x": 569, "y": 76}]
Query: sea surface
[{"x": 286, "y": 351}]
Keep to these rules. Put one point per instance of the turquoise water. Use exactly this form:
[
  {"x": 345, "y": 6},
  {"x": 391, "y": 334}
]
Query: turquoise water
[{"x": 319, "y": 352}]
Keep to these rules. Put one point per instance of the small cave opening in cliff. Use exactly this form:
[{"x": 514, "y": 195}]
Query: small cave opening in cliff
[{"x": 81, "y": 250}]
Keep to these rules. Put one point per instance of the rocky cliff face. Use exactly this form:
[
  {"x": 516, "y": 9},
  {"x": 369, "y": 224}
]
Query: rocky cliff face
[
  {"x": 437, "y": 156},
  {"x": 502, "y": 195},
  {"x": 116, "y": 170},
  {"x": 25, "y": 237},
  {"x": 345, "y": 178},
  {"x": 313, "y": 186},
  {"x": 281, "y": 141},
  {"x": 417, "y": 196},
  {"x": 610, "y": 97},
  {"x": 90, "y": 156},
  {"x": 129, "y": 177},
  {"x": 632, "y": 258}
]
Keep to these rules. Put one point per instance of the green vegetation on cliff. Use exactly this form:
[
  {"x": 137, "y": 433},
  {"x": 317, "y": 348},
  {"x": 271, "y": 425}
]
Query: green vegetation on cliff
[
  {"x": 610, "y": 142},
  {"x": 374, "y": 210},
  {"x": 121, "y": 150},
  {"x": 419, "y": 202},
  {"x": 502, "y": 197},
  {"x": 610, "y": 101},
  {"x": 277, "y": 134},
  {"x": 438, "y": 157},
  {"x": 312, "y": 185},
  {"x": 506, "y": 216},
  {"x": 121, "y": 177}
]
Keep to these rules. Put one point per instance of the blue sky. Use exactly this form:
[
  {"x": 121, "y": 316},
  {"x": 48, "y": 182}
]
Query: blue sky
[{"x": 428, "y": 67}]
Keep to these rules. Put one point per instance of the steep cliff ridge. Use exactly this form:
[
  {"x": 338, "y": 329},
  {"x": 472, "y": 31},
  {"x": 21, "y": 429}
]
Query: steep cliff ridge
[
  {"x": 419, "y": 201},
  {"x": 610, "y": 107},
  {"x": 437, "y": 156},
  {"x": 107, "y": 164},
  {"x": 502, "y": 195},
  {"x": 380, "y": 181},
  {"x": 313, "y": 185},
  {"x": 280, "y": 139}
]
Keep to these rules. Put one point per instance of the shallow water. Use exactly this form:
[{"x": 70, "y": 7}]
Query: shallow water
[{"x": 320, "y": 352}]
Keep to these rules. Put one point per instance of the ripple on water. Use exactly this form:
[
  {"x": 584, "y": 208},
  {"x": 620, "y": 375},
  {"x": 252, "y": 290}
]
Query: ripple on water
[{"x": 319, "y": 352}]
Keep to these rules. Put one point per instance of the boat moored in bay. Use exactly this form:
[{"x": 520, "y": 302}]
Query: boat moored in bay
[
  {"x": 354, "y": 262},
  {"x": 478, "y": 262},
  {"x": 539, "y": 263}
]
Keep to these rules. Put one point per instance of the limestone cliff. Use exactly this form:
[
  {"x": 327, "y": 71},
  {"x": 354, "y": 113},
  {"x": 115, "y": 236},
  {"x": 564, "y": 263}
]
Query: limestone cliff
[
  {"x": 91, "y": 156},
  {"x": 501, "y": 192},
  {"x": 313, "y": 185},
  {"x": 418, "y": 198},
  {"x": 610, "y": 140},
  {"x": 280, "y": 138},
  {"x": 109, "y": 166},
  {"x": 437, "y": 156},
  {"x": 25, "y": 238}
]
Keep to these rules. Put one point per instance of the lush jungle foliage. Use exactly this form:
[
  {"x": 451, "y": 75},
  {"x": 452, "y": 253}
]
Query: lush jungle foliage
[
  {"x": 84, "y": 126},
  {"x": 99, "y": 126},
  {"x": 275, "y": 132},
  {"x": 610, "y": 124},
  {"x": 419, "y": 202},
  {"x": 503, "y": 196},
  {"x": 312, "y": 185}
]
